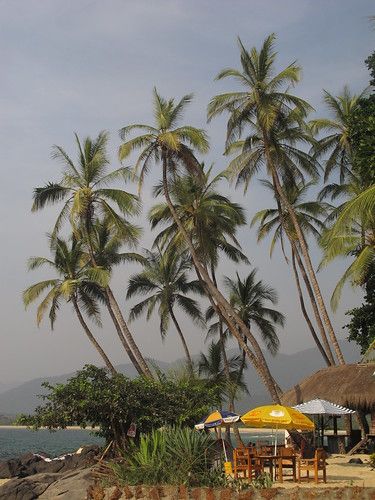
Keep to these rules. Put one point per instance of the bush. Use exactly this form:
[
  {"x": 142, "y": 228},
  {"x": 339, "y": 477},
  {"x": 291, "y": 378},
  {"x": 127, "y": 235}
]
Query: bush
[
  {"x": 170, "y": 456},
  {"x": 94, "y": 398}
]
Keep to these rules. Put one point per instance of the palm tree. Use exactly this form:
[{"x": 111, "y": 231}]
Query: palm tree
[
  {"x": 165, "y": 280},
  {"x": 84, "y": 190},
  {"x": 250, "y": 297},
  {"x": 352, "y": 234},
  {"x": 173, "y": 146},
  {"x": 278, "y": 222},
  {"x": 213, "y": 368},
  {"x": 337, "y": 143},
  {"x": 76, "y": 282},
  {"x": 275, "y": 121}
]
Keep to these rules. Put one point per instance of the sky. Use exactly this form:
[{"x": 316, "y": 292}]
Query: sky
[{"x": 84, "y": 66}]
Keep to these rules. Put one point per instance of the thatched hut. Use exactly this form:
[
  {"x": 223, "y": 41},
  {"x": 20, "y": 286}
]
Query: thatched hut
[{"x": 352, "y": 386}]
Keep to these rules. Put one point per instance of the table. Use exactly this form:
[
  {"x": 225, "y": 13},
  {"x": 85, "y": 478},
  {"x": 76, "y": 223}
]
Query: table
[{"x": 276, "y": 462}]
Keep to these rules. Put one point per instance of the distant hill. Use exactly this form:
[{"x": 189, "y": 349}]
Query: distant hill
[{"x": 287, "y": 369}]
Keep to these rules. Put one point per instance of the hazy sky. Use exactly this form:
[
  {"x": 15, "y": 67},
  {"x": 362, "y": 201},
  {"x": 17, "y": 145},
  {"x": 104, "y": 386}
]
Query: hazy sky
[{"x": 85, "y": 66}]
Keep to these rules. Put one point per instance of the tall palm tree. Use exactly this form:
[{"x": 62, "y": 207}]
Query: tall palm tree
[
  {"x": 76, "y": 283},
  {"x": 173, "y": 147},
  {"x": 352, "y": 234},
  {"x": 86, "y": 196},
  {"x": 277, "y": 221},
  {"x": 337, "y": 143},
  {"x": 165, "y": 281},
  {"x": 212, "y": 366},
  {"x": 250, "y": 298},
  {"x": 274, "y": 120}
]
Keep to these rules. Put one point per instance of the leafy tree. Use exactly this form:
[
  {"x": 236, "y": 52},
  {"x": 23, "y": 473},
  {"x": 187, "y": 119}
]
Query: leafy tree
[
  {"x": 77, "y": 283},
  {"x": 362, "y": 136},
  {"x": 361, "y": 327},
  {"x": 273, "y": 120},
  {"x": 165, "y": 280},
  {"x": 86, "y": 195},
  {"x": 174, "y": 147},
  {"x": 92, "y": 398}
]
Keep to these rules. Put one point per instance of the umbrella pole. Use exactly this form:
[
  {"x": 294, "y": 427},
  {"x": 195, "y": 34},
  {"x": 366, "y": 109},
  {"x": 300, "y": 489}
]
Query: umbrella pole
[
  {"x": 225, "y": 451},
  {"x": 276, "y": 441}
]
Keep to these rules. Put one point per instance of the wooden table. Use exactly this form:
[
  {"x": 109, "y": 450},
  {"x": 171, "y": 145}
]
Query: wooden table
[{"x": 276, "y": 461}]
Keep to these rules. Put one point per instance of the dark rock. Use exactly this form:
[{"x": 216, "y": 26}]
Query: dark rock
[
  {"x": 355, "y": 461},
  {"x": 27, "y": 488},
  {"x": 30, "y": 464}
]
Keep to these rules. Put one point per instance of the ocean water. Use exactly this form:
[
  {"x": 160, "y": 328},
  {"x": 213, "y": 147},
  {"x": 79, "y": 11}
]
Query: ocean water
[{"x": 15, "y": 442}]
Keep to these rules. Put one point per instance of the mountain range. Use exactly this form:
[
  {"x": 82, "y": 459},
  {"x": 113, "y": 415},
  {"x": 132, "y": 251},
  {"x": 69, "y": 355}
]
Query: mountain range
[{"x": 287, "y": 369}]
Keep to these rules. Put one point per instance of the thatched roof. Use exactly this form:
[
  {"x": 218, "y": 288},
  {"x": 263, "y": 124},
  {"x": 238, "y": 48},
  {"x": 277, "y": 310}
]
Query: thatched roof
[{"x": 348, "y": 385}]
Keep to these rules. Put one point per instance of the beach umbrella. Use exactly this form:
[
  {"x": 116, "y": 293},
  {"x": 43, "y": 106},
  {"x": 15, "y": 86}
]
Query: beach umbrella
[
  {"x": 216, "y": 419},
  {"x": 277, "y": 417},
  {"x": 322, "y": 407}
]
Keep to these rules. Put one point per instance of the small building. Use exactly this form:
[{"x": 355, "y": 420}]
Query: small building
[{"x": 351, "y": 385}]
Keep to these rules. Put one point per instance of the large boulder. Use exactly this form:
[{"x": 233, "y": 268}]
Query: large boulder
[
  {"x": 68, "y": 486},
  {"x": 30, "y": 464}
]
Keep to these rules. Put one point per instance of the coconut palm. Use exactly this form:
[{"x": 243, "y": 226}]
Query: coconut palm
[
  {"x": 352, "y": 234},
  {"x": 210, "y": 219},
  {"x": 165, "y": 281},
  {"x": 211, "y": 365},
  {"x": 77, "y": 283},
  {"x": 174, "y": 148},
  {"x": 277, "y": 222},
  {"x": 86, "y": 196},
  {"x": 337, "y": 143},
  {"x": 274, "y": 123}
]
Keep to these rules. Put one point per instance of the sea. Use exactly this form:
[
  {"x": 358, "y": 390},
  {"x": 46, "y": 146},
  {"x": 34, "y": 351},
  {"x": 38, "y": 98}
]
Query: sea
[{"x": 15, "y": 442}]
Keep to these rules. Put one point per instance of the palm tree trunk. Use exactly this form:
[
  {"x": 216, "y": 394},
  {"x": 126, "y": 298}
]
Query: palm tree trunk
[
  {"x": 269, "y": 383},
  {"x": 126, "y": 332},
  {"x": 182, "y": 338},
  {"x": 123, "y": 341},
  {"x": 122, "y": 329},
  {"x": 306, "y": 255},
  {"x": 92, "y": 339},
  {"x": 327, "y": 347},
  {"x": 305, "y": 315}
]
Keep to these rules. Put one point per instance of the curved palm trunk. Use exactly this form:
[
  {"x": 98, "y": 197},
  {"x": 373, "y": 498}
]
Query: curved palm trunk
[
  {"x": 126, "y": 332},
  {"x": 306, "y": 255},
  {"x": 122, "y": 329},
  {"x": 92, "y": 339},
  {"x": 305, "y": 315},
  {"x": 182, "y": 338},
  {"x": 314, "y": 306},
  {"x": 123, "y": 341},
  {"x": 269, "y": 382}
]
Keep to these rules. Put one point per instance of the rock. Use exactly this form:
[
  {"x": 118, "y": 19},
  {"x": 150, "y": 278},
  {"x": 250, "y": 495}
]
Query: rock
[
  {"x": 355, "y": 461},
  {"x": 27, "y": 488},
  {"x": 30, "y": 464},
  {"x": 70, "y": 486}
]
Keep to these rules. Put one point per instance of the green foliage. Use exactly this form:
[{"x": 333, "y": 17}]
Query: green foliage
[
  {"x": 362, "y": 324},
  {"x": 370, "y": 62},
  {"x": 362, "y": 137},
  {"x": 93, "y": 398},
  {"x": 169, "y": 456},
  {"x": 262, "y": 481},
  {"x": 372, "y": 460}
]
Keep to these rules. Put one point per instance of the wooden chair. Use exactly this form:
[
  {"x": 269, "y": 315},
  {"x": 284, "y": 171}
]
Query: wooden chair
[
  {"x": 314, "y": 465},
  {"x": 245, "y": 464},
  {"x": 287, "y": 461}
]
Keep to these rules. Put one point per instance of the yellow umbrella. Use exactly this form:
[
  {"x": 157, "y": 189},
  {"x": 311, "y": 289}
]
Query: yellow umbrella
[{"x": 279, "y": 417}]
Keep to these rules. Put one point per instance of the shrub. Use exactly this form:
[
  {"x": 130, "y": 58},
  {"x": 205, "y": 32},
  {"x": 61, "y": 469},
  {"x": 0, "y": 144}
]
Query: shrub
[
  {"x": 170, "y": 456},
  {"x": 94, "y": 398}
]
